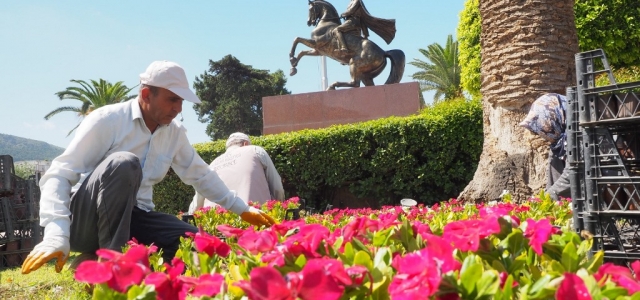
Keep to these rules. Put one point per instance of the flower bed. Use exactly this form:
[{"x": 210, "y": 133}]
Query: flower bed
[{"x": 448, "y": 251}]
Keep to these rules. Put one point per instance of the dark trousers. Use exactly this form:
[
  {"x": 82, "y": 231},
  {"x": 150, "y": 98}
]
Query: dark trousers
[{"x": 104, "y": 212}]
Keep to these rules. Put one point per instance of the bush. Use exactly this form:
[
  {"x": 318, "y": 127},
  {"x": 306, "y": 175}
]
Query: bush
[{"x": 428, "y": 157}]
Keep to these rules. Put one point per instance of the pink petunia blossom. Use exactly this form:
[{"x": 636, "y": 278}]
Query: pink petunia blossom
[
  {"x": 229, "y": 231},
  {"x": 266, "y": 283},
  {"x": 538, "y": 233},
  {"x": 258, "y": 241},
  {"x": 169, "y": 285},
  {"x": 210, "y": 245},
  {"x": 620, "y": 275},
  {"x": 465, "y": 235},
  {"x": 119, "y": 270},
  {"x": 417, "y": 276},
  {"x": 572, "y": 287}
]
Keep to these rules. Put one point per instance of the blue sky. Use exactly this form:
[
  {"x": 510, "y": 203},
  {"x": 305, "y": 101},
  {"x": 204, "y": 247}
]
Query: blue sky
[{"x": 45, "y": 44}]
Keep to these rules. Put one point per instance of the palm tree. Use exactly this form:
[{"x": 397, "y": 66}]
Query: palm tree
[
  {"x": 92, "y": 96},
  {"x": 442, "y": 72},
  {"x": 528, "y": 49}
]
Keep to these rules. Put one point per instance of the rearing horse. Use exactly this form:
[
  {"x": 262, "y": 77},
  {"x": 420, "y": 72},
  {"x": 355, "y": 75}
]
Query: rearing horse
[{"x": 366, "y": 60}]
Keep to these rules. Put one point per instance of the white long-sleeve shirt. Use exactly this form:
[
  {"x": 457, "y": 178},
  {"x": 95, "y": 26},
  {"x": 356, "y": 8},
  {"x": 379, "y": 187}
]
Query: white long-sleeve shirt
[
  {"x": 120, "y": 127},
  {"x": 248, "y": 170}
]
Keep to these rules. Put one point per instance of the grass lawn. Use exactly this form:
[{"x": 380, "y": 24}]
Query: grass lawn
[{"x": 43, "y": 283}]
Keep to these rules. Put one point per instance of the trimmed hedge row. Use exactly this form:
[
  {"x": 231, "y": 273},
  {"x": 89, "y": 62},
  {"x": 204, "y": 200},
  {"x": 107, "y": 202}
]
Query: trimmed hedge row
[{"x": 428, "y": 157}]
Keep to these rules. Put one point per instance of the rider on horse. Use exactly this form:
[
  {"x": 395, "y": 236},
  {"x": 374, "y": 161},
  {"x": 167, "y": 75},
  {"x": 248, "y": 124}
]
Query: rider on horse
[{"x": 358, "y": 21}]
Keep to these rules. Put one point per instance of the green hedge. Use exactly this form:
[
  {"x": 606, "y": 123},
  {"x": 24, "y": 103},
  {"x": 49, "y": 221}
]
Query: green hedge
[{"x": 429, "y": 157}]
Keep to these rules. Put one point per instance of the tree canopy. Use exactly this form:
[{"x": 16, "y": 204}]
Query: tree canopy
[
  {"x": 441, "y": 73},
  {"x": 231, "y": 95},
  {"x": 97, "y": 94},
  {"x": 611, "y": 25}
]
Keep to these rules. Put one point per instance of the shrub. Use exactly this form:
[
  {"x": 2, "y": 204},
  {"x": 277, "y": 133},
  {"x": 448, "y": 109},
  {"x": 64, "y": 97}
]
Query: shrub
[{"x": 428, "y": 157}]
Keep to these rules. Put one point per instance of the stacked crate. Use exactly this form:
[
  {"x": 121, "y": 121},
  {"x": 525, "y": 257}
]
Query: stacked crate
[
  {"x": 604, "y": 158},
  {"x": 20, "y": 230}
]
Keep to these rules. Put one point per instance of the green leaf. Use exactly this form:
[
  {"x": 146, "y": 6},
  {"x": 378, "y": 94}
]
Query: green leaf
[
  {"x": 615, "y": 292},
  {"x": 382, "y": 258},
  {"x": 141, "y": 293},
  {"x": 539, "y": 285},
  {"x": 363, "y": 258},
  {"x": 570, "y": 258},
  {"x": 488, "y": 284},
  {"x": 594, "y": 262},
  {"x": 301, "y": 261},
  {"x": 469, "y": 275}
]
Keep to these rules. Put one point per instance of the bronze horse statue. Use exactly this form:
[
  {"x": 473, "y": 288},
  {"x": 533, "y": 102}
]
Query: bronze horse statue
[{"x": 366, "y": 60}]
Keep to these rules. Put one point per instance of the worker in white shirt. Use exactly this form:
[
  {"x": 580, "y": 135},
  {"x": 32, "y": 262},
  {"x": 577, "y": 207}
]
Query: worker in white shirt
[
  {"x": 248, "y": 170},
  {"x": 127, "y": 148}
]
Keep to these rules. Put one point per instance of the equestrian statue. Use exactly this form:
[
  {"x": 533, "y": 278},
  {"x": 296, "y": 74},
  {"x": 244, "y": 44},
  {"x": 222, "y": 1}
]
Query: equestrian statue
[{"x": 348, "y": 42}]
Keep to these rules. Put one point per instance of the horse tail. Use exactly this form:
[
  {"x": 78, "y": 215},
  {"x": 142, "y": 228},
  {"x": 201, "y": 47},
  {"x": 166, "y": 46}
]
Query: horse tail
[{"x": 397, "y": 65}]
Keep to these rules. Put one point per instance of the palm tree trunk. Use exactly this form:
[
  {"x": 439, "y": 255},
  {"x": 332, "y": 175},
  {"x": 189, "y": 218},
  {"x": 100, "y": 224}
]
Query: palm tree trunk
[{"x": 528, "y": 49}]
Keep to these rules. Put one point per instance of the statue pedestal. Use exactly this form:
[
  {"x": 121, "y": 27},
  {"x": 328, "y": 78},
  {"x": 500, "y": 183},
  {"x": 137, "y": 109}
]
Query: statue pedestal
[{"x": 287, "y": 113}]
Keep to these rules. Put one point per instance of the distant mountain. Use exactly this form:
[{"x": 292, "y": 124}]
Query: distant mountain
[{"x": 26, "y": 149}]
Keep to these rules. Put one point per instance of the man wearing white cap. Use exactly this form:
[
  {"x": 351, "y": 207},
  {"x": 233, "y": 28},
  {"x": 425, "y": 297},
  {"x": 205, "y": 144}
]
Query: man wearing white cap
[
  {"x": 126, "y": 148},
  {"x": 248, "y": 170}
]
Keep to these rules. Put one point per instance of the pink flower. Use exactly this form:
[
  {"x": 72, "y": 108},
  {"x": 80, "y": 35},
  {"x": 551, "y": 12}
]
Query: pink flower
[
  {"x": 618, "y": 274},
  {"x": 210, "y": 245},
  {"x": 229, "y": 231},
  {"x": 258, "y": 242},
  {"x": 320, "y": 279},
  {"x": 420, "y": 228},
  {"x": 572, "y": 287},
  {"x": 538, "y": 233},
  {"x": 307, "y": 240},
  {"x": 442, "y": 253},
  {"x": 119, "y": 271},
  {"x": 417, "y": 278},
  {"x": 466, "y": 234},
  {"x": 169, "y": 286},
  {"x": 206, "y": 285},
  {"x": 266, "y": 283}
]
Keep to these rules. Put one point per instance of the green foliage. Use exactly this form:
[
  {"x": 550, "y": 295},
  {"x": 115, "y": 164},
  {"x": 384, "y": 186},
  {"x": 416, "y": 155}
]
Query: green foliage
[
  {"x": 469, "y": 28},
  {"x": 428, "y": 157},
  {"x": 92, "y": 96},
  {"x": 441, "y": 73},
  {"x": 622, "y": 75},
  {"x": 26, "y": 149},
  {"x": 231, "y": 95},
  {"x": 24, "y": 170},
  {"x": 613, "y": 26}
]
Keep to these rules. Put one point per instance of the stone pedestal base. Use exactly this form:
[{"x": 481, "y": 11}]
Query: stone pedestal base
[{"x": 287, "y": 113}]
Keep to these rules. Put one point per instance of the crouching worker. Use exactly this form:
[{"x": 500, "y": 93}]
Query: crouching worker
[
  {"x": 126, "y": 148},
  {"x": 547, "y": 118},
  {"x": 248, "y": 170}
]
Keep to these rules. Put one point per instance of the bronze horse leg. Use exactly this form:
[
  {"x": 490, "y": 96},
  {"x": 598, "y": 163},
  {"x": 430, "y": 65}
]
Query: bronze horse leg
[
  {"x": 307, "y": 42},
  {"x": 356, "y": 77}
]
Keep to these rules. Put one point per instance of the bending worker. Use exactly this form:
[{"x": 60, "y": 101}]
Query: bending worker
[{"x": 248, "y": 170}]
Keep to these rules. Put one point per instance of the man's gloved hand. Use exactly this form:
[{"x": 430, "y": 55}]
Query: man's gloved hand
[
  {"x": 257, "y": 217},
  {"x": 51, "y": 247}
]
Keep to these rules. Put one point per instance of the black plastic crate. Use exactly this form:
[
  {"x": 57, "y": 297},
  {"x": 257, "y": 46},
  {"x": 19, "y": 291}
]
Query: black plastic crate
[
  {"x": 7, "y": 175},
  {"x": 575, "y": 152},
  {"x": 612, "y": 151},
  {"x": 20, "y": 227},
  {"x": 609, "y": 104},
  {"x": 617, "y": 236}
]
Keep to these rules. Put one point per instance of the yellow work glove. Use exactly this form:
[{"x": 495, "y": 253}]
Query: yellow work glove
[
  {"x": 257, "y": 217},
  {"x": 51, "y": 247}
]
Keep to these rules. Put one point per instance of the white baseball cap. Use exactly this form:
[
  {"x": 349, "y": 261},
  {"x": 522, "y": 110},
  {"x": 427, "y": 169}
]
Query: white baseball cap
[
  {"x": 171, "y": 76},
  {"x": 237, "y": 136}
]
